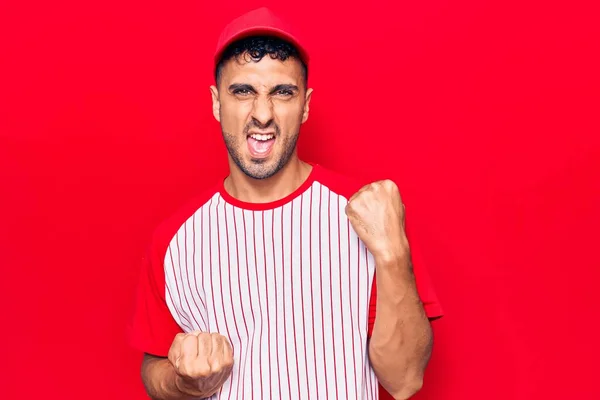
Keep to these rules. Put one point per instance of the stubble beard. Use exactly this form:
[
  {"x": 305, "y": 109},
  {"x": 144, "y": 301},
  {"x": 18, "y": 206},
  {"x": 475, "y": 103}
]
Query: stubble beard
[{"x": 258, "y": 168}]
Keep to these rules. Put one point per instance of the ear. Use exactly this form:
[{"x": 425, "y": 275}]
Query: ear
[
  {"x": 216, "y": 104},
  {"x": 306, "y": 105}
]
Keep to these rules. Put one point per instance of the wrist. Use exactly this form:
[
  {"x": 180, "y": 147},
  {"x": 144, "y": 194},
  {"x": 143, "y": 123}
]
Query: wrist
[{"x": 393, "y": 258}]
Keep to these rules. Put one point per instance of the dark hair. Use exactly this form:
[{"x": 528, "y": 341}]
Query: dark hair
[{"x": 257, "y": 47}]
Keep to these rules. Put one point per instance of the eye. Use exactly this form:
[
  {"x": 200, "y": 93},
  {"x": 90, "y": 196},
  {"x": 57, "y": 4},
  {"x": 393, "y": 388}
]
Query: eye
[
  {"x": 241, "y": 92},
  {"x": 285, "y": 92}
]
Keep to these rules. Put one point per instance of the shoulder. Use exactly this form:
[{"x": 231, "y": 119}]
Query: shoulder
[
  {"x": 342, "y": 184},
  {"x": 167, "y": 229}
]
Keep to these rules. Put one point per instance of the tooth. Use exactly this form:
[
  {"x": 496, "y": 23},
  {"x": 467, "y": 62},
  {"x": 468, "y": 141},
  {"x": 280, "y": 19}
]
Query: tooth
[{"x": 261, "y": 137}]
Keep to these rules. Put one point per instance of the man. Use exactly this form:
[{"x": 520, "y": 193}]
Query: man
[{"x": 286, "y": 280}]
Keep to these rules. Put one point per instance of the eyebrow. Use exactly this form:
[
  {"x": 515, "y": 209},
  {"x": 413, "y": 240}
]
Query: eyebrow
[
  {"x": 243, "y": 86},
  {"x": 250, "y": 88},
  {"x": 284, "y": 86}
]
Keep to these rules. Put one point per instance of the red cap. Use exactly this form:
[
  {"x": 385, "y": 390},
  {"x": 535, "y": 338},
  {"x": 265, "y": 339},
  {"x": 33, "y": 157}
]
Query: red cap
[{"x": 261, "y": 21}]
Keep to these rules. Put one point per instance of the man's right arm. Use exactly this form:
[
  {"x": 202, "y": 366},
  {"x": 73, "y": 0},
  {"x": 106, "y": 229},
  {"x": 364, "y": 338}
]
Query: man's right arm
[
  {"x": 198, "y": 365},
  {"x": 176, "y": 365}
]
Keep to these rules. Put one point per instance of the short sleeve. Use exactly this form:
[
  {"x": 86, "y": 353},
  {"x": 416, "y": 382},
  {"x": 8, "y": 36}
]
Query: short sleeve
[
  {"x": 152, "y": 328},
  {"x": 425, "y": 288}
]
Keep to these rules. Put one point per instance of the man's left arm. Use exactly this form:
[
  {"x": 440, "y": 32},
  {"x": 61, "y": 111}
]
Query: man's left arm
[{"x": 401, "y": 340}]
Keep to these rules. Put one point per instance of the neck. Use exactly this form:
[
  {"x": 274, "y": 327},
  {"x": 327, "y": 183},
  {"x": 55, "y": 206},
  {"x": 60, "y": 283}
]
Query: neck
[{"x": 280, "y": 185}]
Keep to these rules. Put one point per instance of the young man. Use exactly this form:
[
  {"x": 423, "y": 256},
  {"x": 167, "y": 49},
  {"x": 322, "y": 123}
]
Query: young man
[{"x": 287, "y": 280}]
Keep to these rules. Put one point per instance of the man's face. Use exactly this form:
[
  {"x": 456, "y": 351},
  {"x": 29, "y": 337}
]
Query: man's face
[{"x": 261, "y": 106}]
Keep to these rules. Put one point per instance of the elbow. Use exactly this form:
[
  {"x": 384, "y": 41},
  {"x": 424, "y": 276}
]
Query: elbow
[
  {"x": 401, "y": 375},
  {"x": 403, "y": 384},
  {"x": 401, "y": 380},
  {"x": 408, "y": 389}
]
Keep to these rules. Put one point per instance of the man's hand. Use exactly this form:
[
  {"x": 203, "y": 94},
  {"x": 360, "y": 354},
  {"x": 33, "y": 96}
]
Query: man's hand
[
  {"x": 202, "y": 361},
  {"x": 376, "y": 213}
]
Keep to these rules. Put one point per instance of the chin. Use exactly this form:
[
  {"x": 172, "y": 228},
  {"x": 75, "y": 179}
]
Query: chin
[{"x": 261, "y": 168}]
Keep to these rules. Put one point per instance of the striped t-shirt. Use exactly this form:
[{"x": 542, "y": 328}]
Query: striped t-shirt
[{"x": 289, "y": 283}]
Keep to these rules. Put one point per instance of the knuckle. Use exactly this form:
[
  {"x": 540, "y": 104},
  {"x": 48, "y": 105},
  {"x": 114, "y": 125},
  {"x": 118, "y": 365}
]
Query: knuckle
[
  {"x": 175, "y": 348},
  {"x": 202, "y": 370},
  {"x": 222, "y": 364},
  {"x": 390, "y": 184},
  {"x": 217, "y": 365},
  {"x": 188, "y": 339},
  {"x": 179, "y": 338},
  {"x": 203, "y": 336}
]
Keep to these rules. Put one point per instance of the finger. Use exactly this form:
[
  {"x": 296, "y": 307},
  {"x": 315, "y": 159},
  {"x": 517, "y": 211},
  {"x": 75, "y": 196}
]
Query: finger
[
  {"x": 204, "y": 345},
  {"x": 217, "y": 345},
  {"x": 216, "y": 356},
  {"x": 223, "y": 361},
  {"x": 189, "y": 354},
  {"x": 362, "y": 189},
  {"x": 175, "y": 349},
  {"x": 189, "y": 345},
  {"x": 227, "y": 355},
  {"x": 194, "y": 363},
  {"x": 227, "y": 350}
]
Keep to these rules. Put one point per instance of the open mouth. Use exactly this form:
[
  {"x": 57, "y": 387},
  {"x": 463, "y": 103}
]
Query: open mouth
[{"x": 260, "y": 144}]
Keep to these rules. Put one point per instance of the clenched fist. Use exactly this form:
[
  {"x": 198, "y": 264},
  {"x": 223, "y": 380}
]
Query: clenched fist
[
  {"x": 376, "y": 213},
  {"x": 203, "y": 362}
]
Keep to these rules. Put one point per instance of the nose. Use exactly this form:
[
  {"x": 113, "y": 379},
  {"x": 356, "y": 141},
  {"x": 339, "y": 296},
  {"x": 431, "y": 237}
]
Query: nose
[{"x": 262, "y": 112}]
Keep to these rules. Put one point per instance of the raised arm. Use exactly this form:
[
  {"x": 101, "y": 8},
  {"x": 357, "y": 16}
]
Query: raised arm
[{"x": 401, "y": 340}]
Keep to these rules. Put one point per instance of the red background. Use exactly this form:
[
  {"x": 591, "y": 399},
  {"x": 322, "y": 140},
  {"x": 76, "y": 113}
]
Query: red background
[{"x": 486, "y": 113}]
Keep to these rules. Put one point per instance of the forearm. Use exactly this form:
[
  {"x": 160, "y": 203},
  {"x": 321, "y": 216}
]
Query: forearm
[
  {"x": 160, "y": 380},
  {"x": 401, "y": 342}
]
